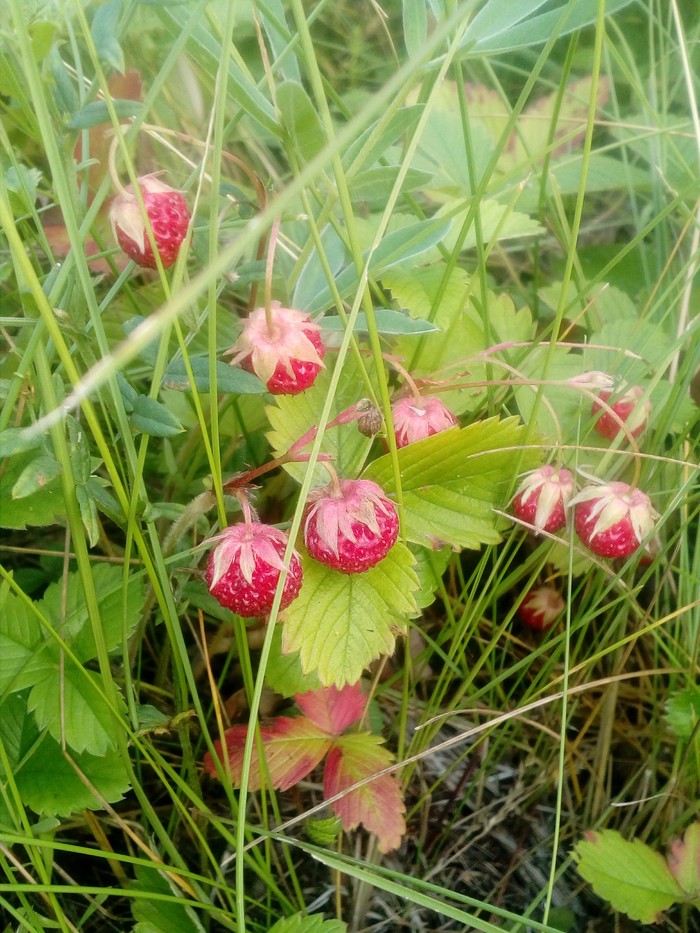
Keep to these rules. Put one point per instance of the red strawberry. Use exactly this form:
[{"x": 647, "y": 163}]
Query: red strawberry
[
  {"x": 286, "y": 355},
  {"x": 244, "y": 568},
  {"x": 167, "y": 212},
  {"x": 612, "y": 519},
  {"x": 350, "y": 525},
  {"x": 543, "y": 497},
  {"x": 541, "y": 608},
  {"x": 418, "y": 418},
  {"x": 628, "y": 407}
]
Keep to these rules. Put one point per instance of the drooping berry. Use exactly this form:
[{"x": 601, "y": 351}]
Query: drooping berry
[
  {"x": 418, "y": 418},
  {"x": 631, "y": 408},
  {"x": 350, "y": 525},
  {"x": 167, "y": 212},
  {"x": 612, "y": 519},
  {"x": 541, "y": 608},
  {"x": 286, "y": 354},
  {"x": 244, "y": 568},
  {"x": 543, "y": 497}
]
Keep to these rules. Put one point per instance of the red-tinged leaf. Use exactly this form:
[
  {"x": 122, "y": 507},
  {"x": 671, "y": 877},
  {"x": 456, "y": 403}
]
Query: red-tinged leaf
[
  {"x": 378, "y": 805},
  {"x": 293, "y": 748},
  {"x": 331, "y": 709},
  {"x": 684, "y": 861}
]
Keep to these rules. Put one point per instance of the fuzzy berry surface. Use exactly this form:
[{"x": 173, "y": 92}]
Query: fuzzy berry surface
[
  {"x": 244, "y": 568},
  {"x": 541, "y": 608},
  {"x": 350, "y": 525},
  {"x": 286, "y": 353},
  {"x": 612, "y": 519},
  {"x": 628, "y": 407},
  {"x": 543, "y": 498},
  {"x": 169, "y": 217},
  {"x": 417, "y": 418}
]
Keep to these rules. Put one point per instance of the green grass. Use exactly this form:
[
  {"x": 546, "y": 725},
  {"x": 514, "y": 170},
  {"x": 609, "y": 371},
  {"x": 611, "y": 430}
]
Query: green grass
[{"x": 525, "y": 194}]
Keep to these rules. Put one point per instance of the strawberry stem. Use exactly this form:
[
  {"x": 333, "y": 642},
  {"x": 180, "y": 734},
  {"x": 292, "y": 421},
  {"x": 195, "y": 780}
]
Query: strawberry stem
[{"x": 112, "y": 168}]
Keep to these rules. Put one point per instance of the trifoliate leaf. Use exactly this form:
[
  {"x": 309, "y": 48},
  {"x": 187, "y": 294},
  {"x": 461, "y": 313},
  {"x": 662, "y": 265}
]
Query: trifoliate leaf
[
  {"x": 341, "y": 622},
  {"x": 452, "y": 482},
  {"x": 378, "y": 805},
  {"x": 630, "y": 875}
]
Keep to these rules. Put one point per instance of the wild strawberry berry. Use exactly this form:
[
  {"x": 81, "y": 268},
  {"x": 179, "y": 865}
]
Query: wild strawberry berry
[
  {"x": 543, "y": 497},
  {"x": 541, "y": 608},
  {"x": 418, "y": 418},
  {"x": 629, "y": 407},
  {"x": 167, "y": 212},
  {"x": 244, "y": 568},
  {"x": 612, "y": 519},
  {"x": 350, "y": 525},
  {"x": 286, "y": 354}
]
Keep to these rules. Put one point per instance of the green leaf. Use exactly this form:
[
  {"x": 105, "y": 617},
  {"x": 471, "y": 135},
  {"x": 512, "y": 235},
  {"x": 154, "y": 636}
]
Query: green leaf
[
  {"x": 430, "y": 566},
  {"x": 683, "y": 712},
  {"x": 88, "y": 513},
  {"x": 501, "y": 27},
  {"x": 292, "y": 416},
  {"x": 104, "y": 33},
  {"x": 119, "y": 609},
  {"x": 372, "y": 184},
  {"x": 230, "y": 379},
  {"x": 152, "y": 417},
  {"x": 407, "y": 242},
  {"x": 301, "y": 923},
  {"x": 21, "y": 636},
  {"x": 65, "y": 94},
  {"x": 452, "y": 482},
  {"x": 284, "y": 673},
  {"x": 22, "y": 185},
  {"x": 630, "y": 875},
  {"x": 684, "y": 862},
  {"x": 66, "y": 700},
  {"x": 35, "y": 476},
  {"x": 43, "y": 507},
  {"x": 300, "y": 120},
  {"x": 377, "y": 139},
  {"x": 389, "y": 322},
  {"x": 15, "y": 440},
  {"x": 161, "y": 915},
  {"x": 415, "y": 25},
  {"x": 65, "y": 792},
  {"x": 341, "y": 622},
  {"x": 97, "y": 112}
]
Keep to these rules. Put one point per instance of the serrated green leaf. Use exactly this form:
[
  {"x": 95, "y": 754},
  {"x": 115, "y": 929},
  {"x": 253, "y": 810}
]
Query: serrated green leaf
[
  {"x": 22, "y": 186},
  {"x": 66, "y": 700},
  {"x": 389, "y": 322},
  {"x": 300, "y": 119},
  {"x": 21, "y": 637},
  {"x": 119, "y": 609},
  {"x": 284, "y": 673},
  {"x": 342, "y": 622},
  {"x": 65, "y": 792},
  {"x": 631, "y": 876},
  {"x": 230, "y": 379},
  {"x": 430, "y": 566},
  {"x": 302, "y": 923},
  {"x": 35, "y": 476},
  {"x": 152, "y": 417},
  {"x": 104, "y": 33},
  {"x": 43, "y": 507},
  {"x": 683, "y": 712},
  {"x": 292, "y": 416},
  {"x": 97, "y": 112},
  {"x": 452, "y": 482}
]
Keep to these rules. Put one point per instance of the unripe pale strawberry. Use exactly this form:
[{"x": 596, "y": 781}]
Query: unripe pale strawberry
[
  {"x": 417, "y": 418},
  {"x": 612, "y": 519},
  {"x": 244, "y": 568},
  {"x": 167, "y": 212},
  {"x": 350, "y": 525},
  {"x": 543, "y": 497},
  {"x": 286, "y": 355},
  {"x": 541, "y": 608},
  {"x": 630, "y": 407}
]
